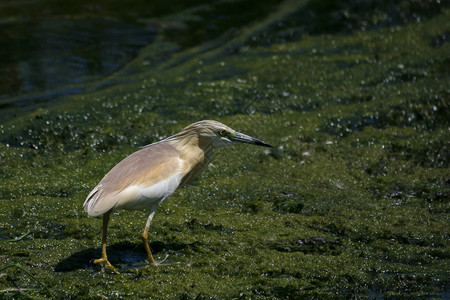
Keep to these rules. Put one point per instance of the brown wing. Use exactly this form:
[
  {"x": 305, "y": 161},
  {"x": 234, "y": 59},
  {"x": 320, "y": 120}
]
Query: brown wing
[{"x": 147, "y": 166}]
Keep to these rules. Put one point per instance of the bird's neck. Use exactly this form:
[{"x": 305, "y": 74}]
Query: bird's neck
[
  {"x": 196, "y": 154},
  {"x": 195, "y": 149}
]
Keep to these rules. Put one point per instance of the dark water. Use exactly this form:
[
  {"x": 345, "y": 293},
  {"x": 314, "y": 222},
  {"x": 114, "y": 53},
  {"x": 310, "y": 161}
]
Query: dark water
[{"x": 50, "y": 49}]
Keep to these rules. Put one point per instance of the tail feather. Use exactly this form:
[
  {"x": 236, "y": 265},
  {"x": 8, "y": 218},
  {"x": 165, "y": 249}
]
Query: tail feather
[{"x": 91, "y": 199}]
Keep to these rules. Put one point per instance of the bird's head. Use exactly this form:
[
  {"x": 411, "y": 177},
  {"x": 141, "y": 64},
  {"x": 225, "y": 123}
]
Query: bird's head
[{"x": 221, "y": 135}]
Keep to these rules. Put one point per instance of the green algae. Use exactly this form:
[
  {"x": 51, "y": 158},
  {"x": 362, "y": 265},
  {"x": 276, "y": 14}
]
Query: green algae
[{"x": 354, "y": 204}]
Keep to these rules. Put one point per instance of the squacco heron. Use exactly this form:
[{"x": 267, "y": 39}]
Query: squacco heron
[{"x": 149, "y": 176}]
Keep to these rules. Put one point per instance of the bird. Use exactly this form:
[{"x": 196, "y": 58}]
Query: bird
[{"x": 147, "y": 177}]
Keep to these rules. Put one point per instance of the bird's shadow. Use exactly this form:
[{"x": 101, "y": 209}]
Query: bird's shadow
[{"x": 124, "y": 255}]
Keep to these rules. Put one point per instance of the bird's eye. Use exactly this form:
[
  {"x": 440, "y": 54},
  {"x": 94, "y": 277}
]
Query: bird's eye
[{"x": 222, "y": 132}]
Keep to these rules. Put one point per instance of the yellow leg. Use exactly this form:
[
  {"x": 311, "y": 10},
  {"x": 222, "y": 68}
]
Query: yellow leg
[
  {"x": 145, "y": 236},
  {"x": 147, "y": 247},
  {"x": 104, "y": 260}
]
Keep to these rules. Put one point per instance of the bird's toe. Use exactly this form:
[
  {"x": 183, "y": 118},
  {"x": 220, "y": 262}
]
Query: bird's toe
[{"x": 106, "y": 264}]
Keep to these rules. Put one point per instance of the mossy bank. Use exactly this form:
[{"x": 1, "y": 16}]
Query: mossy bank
[{"x": 353, "y": 203}]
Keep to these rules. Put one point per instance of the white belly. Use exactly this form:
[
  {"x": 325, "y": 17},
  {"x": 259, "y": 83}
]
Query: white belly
[{"x": 141, "y": 196}]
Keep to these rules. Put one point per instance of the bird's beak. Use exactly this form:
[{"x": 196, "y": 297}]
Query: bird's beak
[{"x": 243, "y": 138}]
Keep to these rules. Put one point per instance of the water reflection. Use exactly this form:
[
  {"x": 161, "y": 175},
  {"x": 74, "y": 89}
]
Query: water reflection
[
  {"x": 50, "y": 53},
  {"x": 50, "y": 48}
]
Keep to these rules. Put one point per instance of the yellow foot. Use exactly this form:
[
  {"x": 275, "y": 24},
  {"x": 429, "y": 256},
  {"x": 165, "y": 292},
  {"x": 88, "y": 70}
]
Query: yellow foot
[
  {"x": 161, "y": 262},
  {"x": 105, "y": 262}
]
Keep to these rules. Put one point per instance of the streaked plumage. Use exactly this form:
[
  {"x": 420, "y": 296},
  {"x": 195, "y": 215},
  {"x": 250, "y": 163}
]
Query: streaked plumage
[{"x": 149, "y": 176}]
